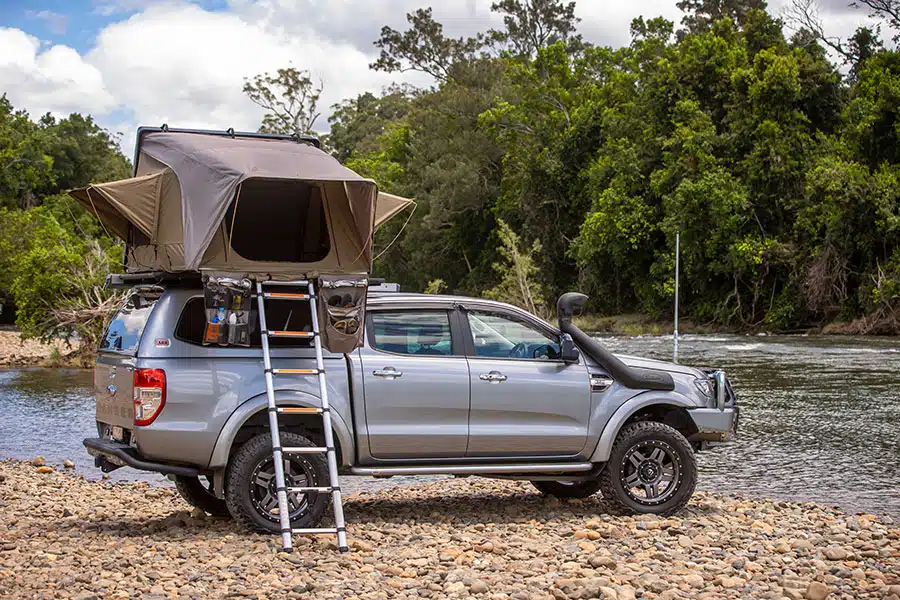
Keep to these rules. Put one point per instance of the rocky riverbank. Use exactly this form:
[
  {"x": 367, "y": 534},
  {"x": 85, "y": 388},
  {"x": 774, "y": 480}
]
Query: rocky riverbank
[
  {"x": 16, "y": 352},
  {"x": 64, "y": 537}
]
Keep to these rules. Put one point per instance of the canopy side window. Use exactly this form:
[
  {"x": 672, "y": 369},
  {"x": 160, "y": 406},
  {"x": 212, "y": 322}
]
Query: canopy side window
[{"x": 278, "y": 220}]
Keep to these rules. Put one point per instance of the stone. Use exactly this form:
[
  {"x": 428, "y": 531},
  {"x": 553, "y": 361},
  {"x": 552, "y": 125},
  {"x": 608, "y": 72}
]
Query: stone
[
  {"x": 693, "y": 580},
  {"x": 835, "y": 553},
  {"x": 478, "y": 587},
  {"x": 605, "y": 562},
  {"x": 817, "y": 591},
  {"x": 731, "y": 582},
  {"x": 68, "y": 464},
  {"x": 38, "y": 461},
  {"x": 44, "y": 470}
]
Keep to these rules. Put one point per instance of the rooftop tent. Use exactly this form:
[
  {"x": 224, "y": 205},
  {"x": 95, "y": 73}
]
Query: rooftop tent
[{"x": 241, "y": 204}]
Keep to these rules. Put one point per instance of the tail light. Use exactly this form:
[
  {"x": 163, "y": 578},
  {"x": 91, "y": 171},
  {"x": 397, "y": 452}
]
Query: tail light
[{"x": 149, "y": 395}]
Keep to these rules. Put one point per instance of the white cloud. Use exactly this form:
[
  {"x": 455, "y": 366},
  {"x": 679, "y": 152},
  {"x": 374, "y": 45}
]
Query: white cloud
[{"x": 56, "y": 80}]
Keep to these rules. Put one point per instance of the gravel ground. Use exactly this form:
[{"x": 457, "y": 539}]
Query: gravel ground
[{"x": 64, "y": 537}]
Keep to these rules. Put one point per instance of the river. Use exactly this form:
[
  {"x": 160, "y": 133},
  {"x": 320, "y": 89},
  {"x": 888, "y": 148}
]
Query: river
[{"x": 820, "y": 417}]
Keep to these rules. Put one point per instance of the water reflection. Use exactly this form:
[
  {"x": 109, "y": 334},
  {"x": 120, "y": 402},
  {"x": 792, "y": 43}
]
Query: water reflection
[{"x": 819, "y": 417}]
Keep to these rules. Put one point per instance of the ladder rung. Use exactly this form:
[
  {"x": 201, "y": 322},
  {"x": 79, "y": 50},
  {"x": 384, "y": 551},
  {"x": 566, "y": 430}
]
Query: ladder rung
[
  {"x": 295, "y": 371},
  {"x": 285, "y": 296},
  {"x": 298, "y": 490},
  {"x": 295, "y": 283},
  {"x": 315, "y": 530},
  {"x": 290, "y": 334},
  {"x": 298, "y": 410},
  {"x": 304, "y": 450}
]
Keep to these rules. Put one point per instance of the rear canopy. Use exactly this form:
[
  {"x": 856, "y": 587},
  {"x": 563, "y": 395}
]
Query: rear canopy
[{"x": 237, "y": 204}]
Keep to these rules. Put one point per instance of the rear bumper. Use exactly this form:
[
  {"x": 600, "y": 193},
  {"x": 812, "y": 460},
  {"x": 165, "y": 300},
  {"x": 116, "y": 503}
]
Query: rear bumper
[
  {"x": 110, "y": 455},
  {"x": 715, "y": 425}
]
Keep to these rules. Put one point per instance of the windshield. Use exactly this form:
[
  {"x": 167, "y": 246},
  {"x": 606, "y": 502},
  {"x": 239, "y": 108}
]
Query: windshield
[{"x": 124, "y": 332}]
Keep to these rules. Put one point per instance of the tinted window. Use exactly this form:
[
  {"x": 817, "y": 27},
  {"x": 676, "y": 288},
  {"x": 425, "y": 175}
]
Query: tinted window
[
  {"x": 425, "y": 333},
  {"x": 501, "y": 336},
  {"x": 278, "y": 220},
  {"x": 280, "y": 315},
  {"x": 125, "y": 330}
]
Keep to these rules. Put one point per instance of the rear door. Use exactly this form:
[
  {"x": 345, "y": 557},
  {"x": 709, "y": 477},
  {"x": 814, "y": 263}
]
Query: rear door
[
  {"x": 416, "y": 385},
  {"x": 114, "y": 371},
  {"x": 525, "y": 400}
]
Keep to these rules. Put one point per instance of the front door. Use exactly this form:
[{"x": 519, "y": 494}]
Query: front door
[
  {"x": 525, "y": 401},
  {"x": 416, "y": 381}
]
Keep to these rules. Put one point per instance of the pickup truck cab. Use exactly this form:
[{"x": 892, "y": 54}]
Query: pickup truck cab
[{"x": 441, "y": 385}]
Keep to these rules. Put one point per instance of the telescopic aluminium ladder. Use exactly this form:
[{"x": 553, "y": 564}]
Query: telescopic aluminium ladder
[{"x": 278, "y": 452}]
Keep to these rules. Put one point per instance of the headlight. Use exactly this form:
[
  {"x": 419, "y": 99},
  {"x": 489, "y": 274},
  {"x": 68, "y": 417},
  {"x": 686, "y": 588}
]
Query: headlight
[{"x": 705, "y": 386}]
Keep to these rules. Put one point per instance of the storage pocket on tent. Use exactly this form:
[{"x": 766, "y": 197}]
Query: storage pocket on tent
[
  {"x": 342, "y": 305},
  {"x": 227, "y": 303}
]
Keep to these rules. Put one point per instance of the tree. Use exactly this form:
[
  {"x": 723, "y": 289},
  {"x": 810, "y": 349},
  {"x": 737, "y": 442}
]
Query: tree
[
  {"x": 701, "y": 14},
  {"x": 535, "y": 24},
  {"x": 291, "y": 100},
  {"x": 423, "y": 48},
  {"x": 25, "y": 164},
  {"x": 518, "y": 273},
  {"x": 357, "y": 123},
  {"x": 57, "y": 278}
]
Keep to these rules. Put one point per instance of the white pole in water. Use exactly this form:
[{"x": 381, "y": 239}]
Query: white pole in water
[{"x": 675, "y": 335}]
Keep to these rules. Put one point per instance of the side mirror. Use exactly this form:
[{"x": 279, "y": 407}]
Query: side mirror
[{"x": 568, "y": 351}]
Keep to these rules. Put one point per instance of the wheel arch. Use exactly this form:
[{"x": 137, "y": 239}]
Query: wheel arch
[
  {"x": 669, "y": 408},
  {"x": 251, "y": 418}
]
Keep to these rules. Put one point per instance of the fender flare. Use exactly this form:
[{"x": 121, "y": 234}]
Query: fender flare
[
  {"x": 219, "y": 457},
  {"x": 626, "y": 411}
]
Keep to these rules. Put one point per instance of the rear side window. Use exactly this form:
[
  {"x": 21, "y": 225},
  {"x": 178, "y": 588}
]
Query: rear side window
[
  {"x": 278, "y": 220},
  {"x": 280, "y": 315},
  {"x": 124, "y": 332},
  {"x": 424, "y": 333}
]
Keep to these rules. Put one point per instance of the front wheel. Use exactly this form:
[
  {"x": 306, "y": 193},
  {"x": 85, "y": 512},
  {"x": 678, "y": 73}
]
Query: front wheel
[
  {"x": 250, "y": 490},
  {"x": 651, "y": 470},
  {"x": 566, "y": 489}
]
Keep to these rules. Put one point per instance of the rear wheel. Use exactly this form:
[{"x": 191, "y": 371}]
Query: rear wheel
[
  {"x": 568, "y": 489},
  {"x": 250, "y": 490},
  {"x": 651, "y": 470},
  {"x": 199, "y": 494}
]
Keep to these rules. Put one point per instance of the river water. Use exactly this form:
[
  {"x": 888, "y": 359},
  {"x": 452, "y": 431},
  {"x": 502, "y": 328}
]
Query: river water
[{"x": 820, "y": 417}]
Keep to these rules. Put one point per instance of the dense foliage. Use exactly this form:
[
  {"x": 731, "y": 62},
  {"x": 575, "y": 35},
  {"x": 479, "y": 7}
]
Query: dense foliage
[
  {"x": 542, "y": 164},
  {"x": 54, "y": 256},
  {"x": 779, "y": 168}
]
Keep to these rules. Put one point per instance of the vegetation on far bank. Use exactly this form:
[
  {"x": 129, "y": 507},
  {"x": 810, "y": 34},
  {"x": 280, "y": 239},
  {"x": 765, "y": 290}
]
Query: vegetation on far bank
[{"x": 542, "y": 163}]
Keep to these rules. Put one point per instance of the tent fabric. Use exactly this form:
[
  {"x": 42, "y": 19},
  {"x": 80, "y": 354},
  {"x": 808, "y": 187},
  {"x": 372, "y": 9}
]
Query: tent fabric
[
  {"x": 387, "y": 206},
  {"x": 171, "y": 214}
]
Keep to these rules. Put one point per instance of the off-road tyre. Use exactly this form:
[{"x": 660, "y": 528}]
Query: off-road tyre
[
  {"x": 648, "y": 434},
  {"x": 565, "y": 489},
  {"x": 199, "y": 496},
  {"x": 242, "y": 489}
]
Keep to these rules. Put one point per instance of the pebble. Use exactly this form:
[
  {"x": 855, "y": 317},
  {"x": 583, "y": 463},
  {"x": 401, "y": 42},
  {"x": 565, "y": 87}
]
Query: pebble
[
  {"x": 64, "y": 537},
  {"x": 68, "y": 464},
  {"x": 817, "y": 591},
  {"x": 38, "y": 461},
  {"x": 44, "y": 470}
]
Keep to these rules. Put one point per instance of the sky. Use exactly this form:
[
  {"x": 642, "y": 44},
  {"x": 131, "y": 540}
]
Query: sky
[{"x": 183, "y": 62}]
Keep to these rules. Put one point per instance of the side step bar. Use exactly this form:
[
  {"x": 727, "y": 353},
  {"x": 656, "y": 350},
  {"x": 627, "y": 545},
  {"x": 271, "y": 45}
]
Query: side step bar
[{"x": 473, "y": 469}]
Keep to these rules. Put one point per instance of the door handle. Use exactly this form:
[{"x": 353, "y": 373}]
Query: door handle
[
  {"x": 388, "y": 372},
  {"x": 493, "y": 377}
]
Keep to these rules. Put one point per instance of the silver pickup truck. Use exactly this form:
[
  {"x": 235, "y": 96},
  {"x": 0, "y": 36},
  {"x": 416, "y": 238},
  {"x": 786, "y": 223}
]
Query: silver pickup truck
[{"x": 441, "y": 385}]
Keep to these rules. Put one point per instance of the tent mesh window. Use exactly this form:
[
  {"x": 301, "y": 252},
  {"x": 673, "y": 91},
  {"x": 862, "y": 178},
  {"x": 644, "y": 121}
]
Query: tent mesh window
[
  {"x": 280, "y": 315},
  {"x": 278, "y": 220}
]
